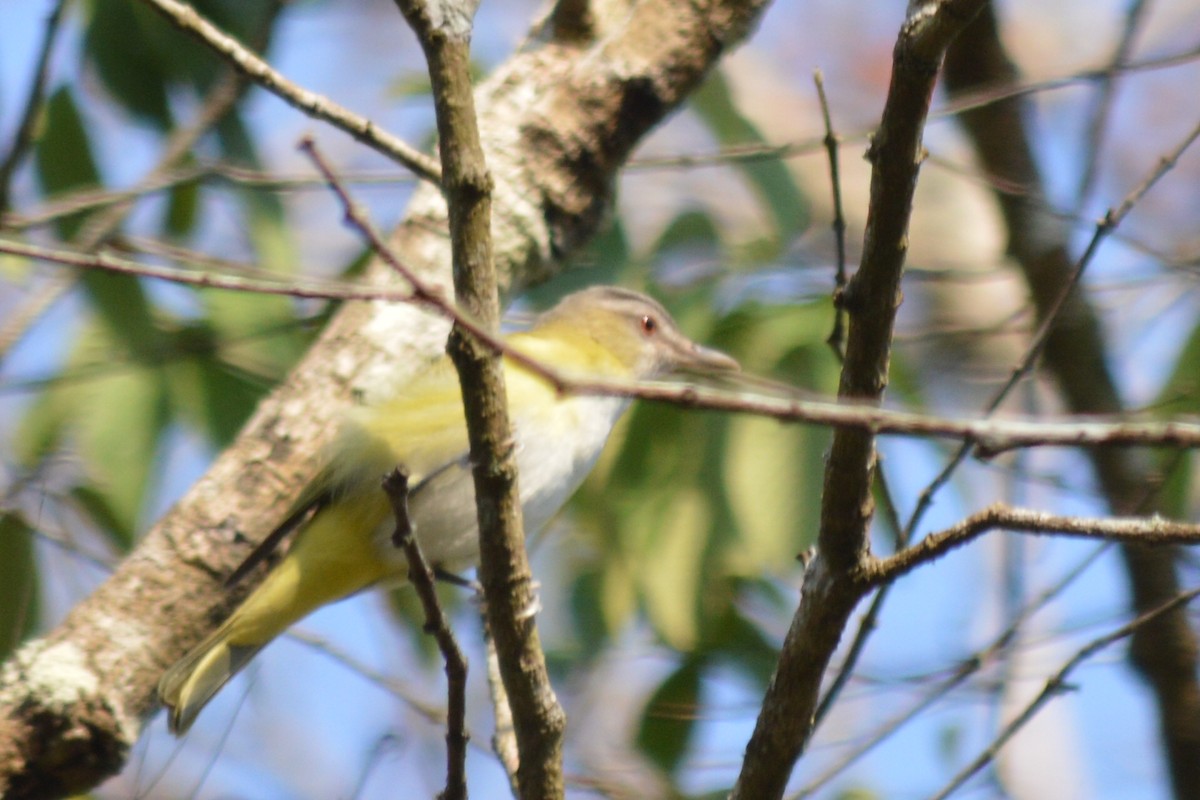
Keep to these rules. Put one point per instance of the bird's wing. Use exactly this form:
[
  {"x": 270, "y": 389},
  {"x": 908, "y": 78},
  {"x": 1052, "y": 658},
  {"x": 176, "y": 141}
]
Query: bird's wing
[{"x": 307, "y": 506}]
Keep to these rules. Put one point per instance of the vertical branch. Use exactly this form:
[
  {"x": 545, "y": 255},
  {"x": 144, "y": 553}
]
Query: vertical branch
[
  {"x": 831, "y": 589},
  {"x": 420, "y": 574},
  {"x": 444, "y": 32}
]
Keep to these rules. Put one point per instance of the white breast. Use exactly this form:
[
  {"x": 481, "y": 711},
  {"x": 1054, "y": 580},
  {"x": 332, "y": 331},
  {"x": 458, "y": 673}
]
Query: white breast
[{"x": 550, "y": 469}]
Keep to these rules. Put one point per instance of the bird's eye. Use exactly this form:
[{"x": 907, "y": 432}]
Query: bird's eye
[{"x": 649, "y": 325}]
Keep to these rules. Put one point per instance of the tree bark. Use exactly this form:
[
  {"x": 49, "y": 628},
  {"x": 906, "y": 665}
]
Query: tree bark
[{"x": 558, "y": 121}]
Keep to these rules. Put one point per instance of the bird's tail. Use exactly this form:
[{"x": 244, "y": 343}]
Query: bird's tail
[
  {"x": 333, "y": 558},
  {"x": 192, "y": 681}
]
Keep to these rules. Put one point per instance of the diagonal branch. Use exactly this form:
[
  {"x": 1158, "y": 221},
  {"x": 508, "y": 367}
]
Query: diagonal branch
[
  {"x": 558, "y": 122},
  {"x": 187, "y": 19}
]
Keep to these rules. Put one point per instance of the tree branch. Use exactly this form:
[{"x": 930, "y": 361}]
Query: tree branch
[
  {"x": 871, "y": 297},
  {"x": 559, "y": 122},
  {"x": 444, "y": 32},
  {"x": 187, "y": 19},
  {"x": 1130, "y": 530},
  {"x": 1165, "y": 651}
]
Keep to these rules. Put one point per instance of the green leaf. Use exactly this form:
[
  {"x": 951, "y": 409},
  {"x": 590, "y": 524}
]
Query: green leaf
[
  {"x": 120, "y": 435},
  {"x": 669, "y": 718},
  {"x": 772, "y": 493},
  {"x": 95, "y": 506},
  {"x": 778, "y": 192},
  {"x": 183, "y": 205},
  {"x": 19, "y": 605},
  {"x": 120, "y": 43},
  {"x": 63, "y": 155},
  {"x": 64, "y": 161},
  {"x": 689, "y": 229},
  {"x": 671, "y": 580}
]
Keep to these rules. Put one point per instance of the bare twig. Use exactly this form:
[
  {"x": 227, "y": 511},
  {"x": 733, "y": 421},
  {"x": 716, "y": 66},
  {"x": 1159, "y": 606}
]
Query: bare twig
[
  {"x": 1097, "y": 118},
  {"x": 420, "y": 575},
  {"x": 186, "y": 18},
  {"x": 504, "y": 739},
  {"x": 837, "y": 336},
  {"x": 1055, "y": 686},
  {"x": 315, "y": 289},
  {"x": 1134, "y": 530},
  {"x": 23, "y": 138}
]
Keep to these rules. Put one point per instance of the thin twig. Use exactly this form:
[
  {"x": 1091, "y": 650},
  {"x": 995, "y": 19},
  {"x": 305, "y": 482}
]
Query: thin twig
[
  {"x": 420, "y": 575},
  {"x": 837, "y": 336},
  {"x": 24, "y": 136},
  {"x": 504, "y": 738},
  {"x": 317, "y": 106},
  {"x": 1133, "y": 530},
  {"x": 1038, "y": 343},
  {"x": 1055, "y": 686},
  {"x": 1097, "y": 119}
]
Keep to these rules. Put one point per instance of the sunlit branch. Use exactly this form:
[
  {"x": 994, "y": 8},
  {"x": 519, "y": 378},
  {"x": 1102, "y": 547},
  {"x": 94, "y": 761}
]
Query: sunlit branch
[
  {"x": 1133, "y": 530},
  {"x": 1055, "y": 686}
]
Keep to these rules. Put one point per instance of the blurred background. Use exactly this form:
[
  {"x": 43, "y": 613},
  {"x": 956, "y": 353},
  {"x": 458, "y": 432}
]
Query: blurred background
[{"x": 668, "y": 583}]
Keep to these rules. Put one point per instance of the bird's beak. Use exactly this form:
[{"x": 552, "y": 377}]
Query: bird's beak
[{"x": 703, "y": 360}]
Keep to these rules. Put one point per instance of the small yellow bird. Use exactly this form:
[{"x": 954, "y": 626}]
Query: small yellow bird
[{"x": 345, "y": 544}]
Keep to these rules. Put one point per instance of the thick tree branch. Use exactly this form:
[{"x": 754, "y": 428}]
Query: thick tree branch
[
  {"x": 558, "y": 123},
  {"x": 871, "y": 297},
  {"x": 444, "y": 32}
]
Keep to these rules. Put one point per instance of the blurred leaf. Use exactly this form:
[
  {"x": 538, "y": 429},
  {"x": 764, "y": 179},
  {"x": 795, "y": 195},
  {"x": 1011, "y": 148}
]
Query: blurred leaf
[
  {"x": 183, "y": 205},
  {"x": 1181, "y": 392},
  {"x": 689, "y": 229},
  {"x": 120, "y": 435},
  {"x": 856, "y": 793},
  {"x": 18, "y": 582},
  {"x": 671, "y": 579},
  {"x": 742, "y": 643},
  {"x": 670, "y": 716},
  {"x": 95, "y": 506},
  {"x": 1178, "y": 498},
  {"x": 779, "y": 194},
  {"x": 64, "y": 155},
  {"x": 765, "y": 471},
  {"x": 121, "y": 43},
  {"x": 64, "y": 159},
  {"x": 141, "y": 58}
]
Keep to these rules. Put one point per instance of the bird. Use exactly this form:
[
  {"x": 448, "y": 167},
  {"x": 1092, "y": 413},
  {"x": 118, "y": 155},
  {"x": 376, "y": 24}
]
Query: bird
[{"x": 344, "y": 520}]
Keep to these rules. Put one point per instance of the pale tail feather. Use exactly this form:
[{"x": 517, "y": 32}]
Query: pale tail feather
[{"x": 192, "y": 681}]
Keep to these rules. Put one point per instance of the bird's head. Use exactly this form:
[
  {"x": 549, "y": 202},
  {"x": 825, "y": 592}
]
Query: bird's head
[{"x": 632, "y": 330}]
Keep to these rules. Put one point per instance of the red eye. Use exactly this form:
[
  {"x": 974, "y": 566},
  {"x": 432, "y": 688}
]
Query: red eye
[{"x": 649, "y": 325}]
